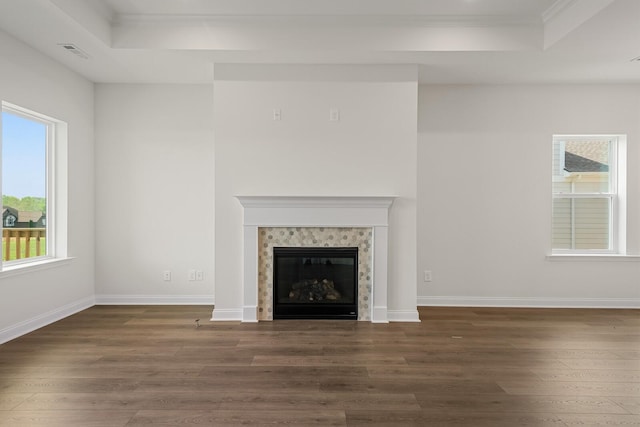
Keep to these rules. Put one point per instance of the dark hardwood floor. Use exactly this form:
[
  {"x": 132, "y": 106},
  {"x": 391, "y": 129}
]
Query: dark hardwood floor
[{"x": 134, "y": 365}]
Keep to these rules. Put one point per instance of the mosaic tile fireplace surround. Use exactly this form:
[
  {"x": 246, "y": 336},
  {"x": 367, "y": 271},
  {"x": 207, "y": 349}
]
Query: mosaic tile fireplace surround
[{"x": 270, "y": 237}]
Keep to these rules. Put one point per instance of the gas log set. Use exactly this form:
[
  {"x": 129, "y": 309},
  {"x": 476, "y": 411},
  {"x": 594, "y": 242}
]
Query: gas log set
[{"x": 314, "y": 290}]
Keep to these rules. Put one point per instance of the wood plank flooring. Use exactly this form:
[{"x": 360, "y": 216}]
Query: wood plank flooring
[{"x": 150, "y": 365}]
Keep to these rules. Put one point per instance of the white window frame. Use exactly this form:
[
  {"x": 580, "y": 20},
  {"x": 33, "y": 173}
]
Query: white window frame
[
  {"x": 56, "y": 190},
  {"x": 616, "y": 195}
]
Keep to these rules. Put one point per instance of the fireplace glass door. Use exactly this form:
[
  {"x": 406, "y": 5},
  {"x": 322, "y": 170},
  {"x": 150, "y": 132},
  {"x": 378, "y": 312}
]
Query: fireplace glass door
[{"x": 315, "y": 283}]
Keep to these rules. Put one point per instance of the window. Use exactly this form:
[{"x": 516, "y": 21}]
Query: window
[
  {"x": 586, "y": 198},
  {"x": 10, "y": 221},
  {"x": 27, "y": 147}
]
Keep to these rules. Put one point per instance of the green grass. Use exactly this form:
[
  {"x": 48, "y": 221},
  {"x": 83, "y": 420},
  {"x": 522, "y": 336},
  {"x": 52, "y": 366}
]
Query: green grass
[{"x": 32, "y": 243}]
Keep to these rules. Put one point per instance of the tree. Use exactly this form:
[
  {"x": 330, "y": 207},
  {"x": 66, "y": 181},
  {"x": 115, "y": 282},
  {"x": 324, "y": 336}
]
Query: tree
[{"x": 31, "y": 204}]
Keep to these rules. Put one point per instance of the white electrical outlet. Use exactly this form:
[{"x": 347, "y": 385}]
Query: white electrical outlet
[
  {"x": 199, "y": 275},
  {"x": 192, "y": 275},
  {"x": 166, "y": 275},
  {"x": 427, "y": 276}
]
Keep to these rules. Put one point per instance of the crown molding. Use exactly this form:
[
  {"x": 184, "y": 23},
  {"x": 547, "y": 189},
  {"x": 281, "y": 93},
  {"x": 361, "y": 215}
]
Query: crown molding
[{"x": 329, "y": 20}]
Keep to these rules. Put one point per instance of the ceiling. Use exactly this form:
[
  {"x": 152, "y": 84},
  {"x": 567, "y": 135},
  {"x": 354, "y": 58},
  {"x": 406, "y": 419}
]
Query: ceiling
[{"x": 451, "y": 41}]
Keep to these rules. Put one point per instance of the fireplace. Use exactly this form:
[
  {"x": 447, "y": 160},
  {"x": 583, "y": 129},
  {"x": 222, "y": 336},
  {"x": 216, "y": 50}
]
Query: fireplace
[
  {"x": 315, "y": 282},
  {"x": 274, "y": 218}
]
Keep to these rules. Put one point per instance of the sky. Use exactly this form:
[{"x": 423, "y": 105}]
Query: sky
[{"x": 23, "y": 157}]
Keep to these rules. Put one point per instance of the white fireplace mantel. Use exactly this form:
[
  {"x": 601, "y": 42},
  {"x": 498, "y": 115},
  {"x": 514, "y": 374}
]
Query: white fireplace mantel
[{"x": 320, "y": 211}]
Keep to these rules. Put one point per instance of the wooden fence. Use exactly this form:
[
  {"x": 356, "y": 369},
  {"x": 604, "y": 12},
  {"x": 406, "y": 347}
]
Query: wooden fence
[{"x": 21, "y": 239}]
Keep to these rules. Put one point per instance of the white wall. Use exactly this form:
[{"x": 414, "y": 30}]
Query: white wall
[
  {"x": 154, "y": 186},
  {"x": 481, "y": 186},
  {"x": 370, "y": 151},
  {"x": 484, "y": 205},
  {"x": 32, "y": 81}
]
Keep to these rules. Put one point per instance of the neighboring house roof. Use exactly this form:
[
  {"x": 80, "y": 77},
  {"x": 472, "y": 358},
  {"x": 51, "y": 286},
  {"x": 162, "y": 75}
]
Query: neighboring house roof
[
  {"x": 575, "y": 163},
  {"x": 6, "y": 210},
  {"x": 586, "y": 156},
  {"x": 26, "y": 216}
]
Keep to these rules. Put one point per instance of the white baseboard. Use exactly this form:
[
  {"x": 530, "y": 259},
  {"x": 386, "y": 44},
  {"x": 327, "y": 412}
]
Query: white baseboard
[
  {"x": 403, "y": 316},
  {"x": 379, "y": 314},
  {"x": 226, "y": 315},
  {"x": 30, "y": 325},
  {"x": 249, "y": 314},
  {"x": 154, "y": 300},
  {"x": 531, "y": 302}
]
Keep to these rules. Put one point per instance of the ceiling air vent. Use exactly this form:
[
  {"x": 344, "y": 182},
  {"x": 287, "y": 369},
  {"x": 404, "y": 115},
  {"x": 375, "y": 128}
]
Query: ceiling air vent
[{"x": 70, "y": 47}]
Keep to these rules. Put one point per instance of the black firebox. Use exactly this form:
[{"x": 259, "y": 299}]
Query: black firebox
[{"x": 315, "y": 283}]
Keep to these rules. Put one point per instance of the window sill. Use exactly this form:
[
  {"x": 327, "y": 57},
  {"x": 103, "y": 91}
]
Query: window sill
[
  {"x": 29, "y": 267},
  {"x": 593, "y": 257}
]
